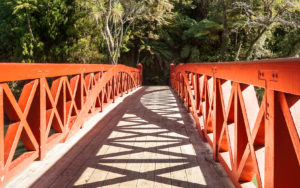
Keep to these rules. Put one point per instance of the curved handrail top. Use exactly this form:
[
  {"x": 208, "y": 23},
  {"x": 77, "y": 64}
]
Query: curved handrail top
[
  {"x": 281, "y": 74},
  {"x": 26, "y": 71}
]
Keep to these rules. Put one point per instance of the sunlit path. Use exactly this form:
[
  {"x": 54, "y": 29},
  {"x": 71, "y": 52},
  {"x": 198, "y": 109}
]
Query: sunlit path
[{"x": 149, "y": 140}]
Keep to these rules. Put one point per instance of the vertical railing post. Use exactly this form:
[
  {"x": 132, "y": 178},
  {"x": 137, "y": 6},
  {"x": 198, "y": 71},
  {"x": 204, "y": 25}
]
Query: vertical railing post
[
  {"x": 197, "y": 91},
  {"x": 177, "y": 83},
  {"x": 2, "y": 173},
  {"x": 269, "y": 139},
  {"x": 42, "y": 126},
  {"x": 172, "y": 67},
  {"x": 65, "y": 115},
  {"x": 215, "y": 115},
  {"x": 218, "y": 116},
  {"x": 140, "y": 67},
  {"x": 127, "y": 84},
  {"x": 122, "y": 83},
  {"x": 81, "y": 90},
  {"x": 113, "y": 88},
  {"x": 281, "y": 162}
]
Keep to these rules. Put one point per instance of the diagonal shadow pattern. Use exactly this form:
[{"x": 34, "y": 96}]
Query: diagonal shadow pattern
[{"x": 147, "y": 141}]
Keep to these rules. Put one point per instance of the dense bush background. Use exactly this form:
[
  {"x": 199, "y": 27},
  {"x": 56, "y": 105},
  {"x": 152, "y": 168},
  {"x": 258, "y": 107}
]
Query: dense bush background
[{"x": 178, "y": 31}]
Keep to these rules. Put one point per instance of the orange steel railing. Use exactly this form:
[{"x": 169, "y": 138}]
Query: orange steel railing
[
  {"x": 45, "y": 115},
  {"x": 257, "y": 142}
]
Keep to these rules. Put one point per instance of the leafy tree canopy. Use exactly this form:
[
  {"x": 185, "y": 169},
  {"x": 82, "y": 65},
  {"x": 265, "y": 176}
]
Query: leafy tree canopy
[{"x": 153, "y": 32}]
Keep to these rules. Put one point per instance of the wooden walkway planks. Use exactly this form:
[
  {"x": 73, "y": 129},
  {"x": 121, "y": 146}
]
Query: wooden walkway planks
[{"x": 149, "y": 140}]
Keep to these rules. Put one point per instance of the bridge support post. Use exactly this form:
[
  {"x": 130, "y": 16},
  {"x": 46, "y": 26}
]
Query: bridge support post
[
  {"x": 218, "y": 117},
  {"x": 172, "y": 67},
  {"x": 113, "y": 88},
  {"x": 140, "y": 67},
  {"x": 42, "y": 129},
  {"x": 269, "y": 139}
]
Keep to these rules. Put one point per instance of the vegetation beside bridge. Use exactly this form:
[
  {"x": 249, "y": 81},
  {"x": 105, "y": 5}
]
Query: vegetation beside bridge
[{"x": 153, "y": 32}]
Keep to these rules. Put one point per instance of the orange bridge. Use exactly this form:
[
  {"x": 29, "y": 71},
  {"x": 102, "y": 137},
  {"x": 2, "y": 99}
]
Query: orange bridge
[{"x": 218, "y": 125}]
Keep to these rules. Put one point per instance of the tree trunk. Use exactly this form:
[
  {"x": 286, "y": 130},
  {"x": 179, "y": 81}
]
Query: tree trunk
[
  {"x": 225, "y": 37},
  {"x": 238, "y": 51},
  {"x": 29, "y": 25},
  {"x": 252, "y": 43},
  {"x": 295, "y": 51},
  {"x": 138, "y": 56}
]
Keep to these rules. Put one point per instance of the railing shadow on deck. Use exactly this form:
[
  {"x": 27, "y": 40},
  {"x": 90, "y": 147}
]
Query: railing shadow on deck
[{"x": 141, "y": 121}]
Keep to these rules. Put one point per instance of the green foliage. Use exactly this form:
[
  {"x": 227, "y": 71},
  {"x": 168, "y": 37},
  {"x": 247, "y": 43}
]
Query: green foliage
[
  {"x": 204, "y": 29},
  {"x": 164, "y": 31},
  {"x": 285, "y": 41},
  {"x": 186, "y": 51},
  {"x": 37, "y": 29}
]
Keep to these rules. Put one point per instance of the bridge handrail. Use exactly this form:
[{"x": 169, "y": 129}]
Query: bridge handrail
[
  {"x": 53, "y": 104},
  {"x": 255, "y": 140}
]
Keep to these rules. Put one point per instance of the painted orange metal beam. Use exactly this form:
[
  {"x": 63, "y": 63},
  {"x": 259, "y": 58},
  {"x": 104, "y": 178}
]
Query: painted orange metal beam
[
  {"x": 252, "y": 139},
  {"x": 26, "y": 71},
  {"x": 54, "y": 103},
  {"x": 254, "y": 72}
]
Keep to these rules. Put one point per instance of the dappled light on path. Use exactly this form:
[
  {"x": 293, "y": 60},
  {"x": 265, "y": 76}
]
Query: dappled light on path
[{"x": 147, "y": 141}]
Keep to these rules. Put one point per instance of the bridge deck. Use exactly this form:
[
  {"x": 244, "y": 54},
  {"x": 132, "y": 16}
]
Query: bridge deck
[{"x": 149, "y": 140}]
